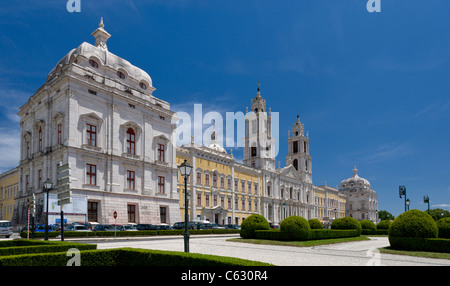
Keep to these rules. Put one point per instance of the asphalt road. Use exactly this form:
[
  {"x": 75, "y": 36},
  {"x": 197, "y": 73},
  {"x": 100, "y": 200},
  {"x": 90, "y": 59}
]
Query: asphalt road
[{"x": 358, "y": 253}]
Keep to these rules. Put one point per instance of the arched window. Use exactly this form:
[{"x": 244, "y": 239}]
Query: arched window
[{"x": 131, "y": 141}]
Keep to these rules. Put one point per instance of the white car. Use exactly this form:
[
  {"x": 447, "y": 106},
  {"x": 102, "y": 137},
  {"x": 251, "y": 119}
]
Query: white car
[{"x": 5, "y": 228}]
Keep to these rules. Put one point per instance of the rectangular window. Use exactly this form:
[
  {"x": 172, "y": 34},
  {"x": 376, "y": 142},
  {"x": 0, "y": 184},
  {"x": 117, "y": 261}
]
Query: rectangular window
[
  {"x": 242, "y": 186},
  {"x": 91, "y": 132},
  {"x": 91, "y": 174},
  {"x": 229, "y": 183},
  {"x": 215, "y": 200},
  {"x": 130, "y": 180},
  {"x": 236, "y": 204},
  {"x": 207, "y": 180},
  {"x": 214, "y": 180},
  {"x": 222, "y": 202},
  {"x": 207, "y": 201},
  {"x": 199, "y": 199},
  {"x": 161, "y": 152},
  {"x": 199, "y": 178},
  {"x": 222, "y": 183},
  {"x": 161, "y": 184}
]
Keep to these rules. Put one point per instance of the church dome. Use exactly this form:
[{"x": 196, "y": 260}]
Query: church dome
[{"x": 355, "y": 181}]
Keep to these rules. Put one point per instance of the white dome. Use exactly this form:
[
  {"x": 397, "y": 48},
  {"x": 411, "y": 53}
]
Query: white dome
[
  {"x": 100, "y": 52},
  {"x": 355, "y": 181}
]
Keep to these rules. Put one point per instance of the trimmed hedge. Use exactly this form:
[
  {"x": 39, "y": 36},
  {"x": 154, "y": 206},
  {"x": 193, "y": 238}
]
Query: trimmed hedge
[
  {"x": 296, "y": 227},
  {"x": 315, "y": 224},
  {"x": 444, "y": 227},
  {"x": 314, "y": 234},
  {"x": 127, "y": 257},
  {"x": 414, "y": 223},
  {"x": 19, "y": 246},
  {"x": 384, "y": 224},
  {"x": 420, "y": 244},
  {"x": 346, "y": 223},
  {"x": 251, "y": 224}
]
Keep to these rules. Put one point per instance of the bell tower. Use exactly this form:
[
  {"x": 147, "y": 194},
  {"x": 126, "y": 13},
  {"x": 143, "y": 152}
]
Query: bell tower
[
  {"x": 298, "y": 151},
  {"x": 259, "y": 146}
]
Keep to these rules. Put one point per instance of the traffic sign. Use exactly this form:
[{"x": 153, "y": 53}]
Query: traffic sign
[
  {"x": 115, "y": 214},
  {"x": 63, "y": 184}
]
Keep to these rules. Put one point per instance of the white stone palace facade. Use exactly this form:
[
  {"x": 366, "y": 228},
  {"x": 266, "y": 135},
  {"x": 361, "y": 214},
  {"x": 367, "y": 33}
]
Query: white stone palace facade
[{"x": 97, "y": 113}]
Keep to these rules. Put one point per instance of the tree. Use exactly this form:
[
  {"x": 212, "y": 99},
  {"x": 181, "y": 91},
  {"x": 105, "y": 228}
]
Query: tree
[
  {"x": 437, "y": 214},
  {"x": 385, "y": 215}
]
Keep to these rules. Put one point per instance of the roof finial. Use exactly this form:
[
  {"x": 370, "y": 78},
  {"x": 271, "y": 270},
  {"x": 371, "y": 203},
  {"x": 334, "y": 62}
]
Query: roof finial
[
  {"x": 101, "y": 25},
  {"x": 355, "y": 171},
  {"x": 258, "y": 85}
]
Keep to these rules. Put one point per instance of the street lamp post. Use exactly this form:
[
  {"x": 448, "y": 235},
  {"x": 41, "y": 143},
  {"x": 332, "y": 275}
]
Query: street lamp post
[
  {"x": 402, "y": 191},
  {"x": 47, "y": 187},
  {"x": 408, "y": 202},
  {"x": 185, "y": 170},
  {"x": 426, "y": 200}
]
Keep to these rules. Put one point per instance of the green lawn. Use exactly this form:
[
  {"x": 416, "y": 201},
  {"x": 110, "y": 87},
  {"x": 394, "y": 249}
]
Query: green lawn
[{"x": 307, "y": 243}]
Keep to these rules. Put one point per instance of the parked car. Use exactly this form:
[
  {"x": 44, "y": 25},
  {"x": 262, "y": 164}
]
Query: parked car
[
  {"x": 180, "y": 225},
  {"x": 232, "y": 226},
  {"x": 130, "y": 227},
  {"x": 78, "y": 227},
  {"x": 5, "y": 228},
  {"x": 163, "y": 226},
  {"x": 119, "y": 227},
  {"x": 103, "y": 227},
  {"x": 146, "y": 227},
  {"x": 86, "y": 224},
  {"x": 41, "y": 228}
]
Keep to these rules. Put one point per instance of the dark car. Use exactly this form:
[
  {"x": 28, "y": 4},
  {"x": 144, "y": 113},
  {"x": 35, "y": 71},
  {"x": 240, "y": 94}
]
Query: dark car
[
  {"x": 103, "y": 227},
  {"x": 180, "y": 225},
  {"x": 146, "y": 227},
  {"x": 232, "y": 226}
]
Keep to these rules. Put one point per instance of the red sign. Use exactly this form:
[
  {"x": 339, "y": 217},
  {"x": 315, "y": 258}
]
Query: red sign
[{"x": 115, "y": 214}]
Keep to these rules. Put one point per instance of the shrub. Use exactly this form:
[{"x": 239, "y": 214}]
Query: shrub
[
  {"x": 444, "y": 227},
  {"x": 315, "y": 224},
  {"x": 296, "y": 227},
  {"x": 346, "y": 223},
  {"x": 414, "y": 223},
  {"x": 384, "y": 224},
  {"x": 252, "y": 223},
  {"x": 368, "y": 226}
]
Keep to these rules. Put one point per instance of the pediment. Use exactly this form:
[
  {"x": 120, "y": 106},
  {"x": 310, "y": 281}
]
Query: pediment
[{"x": 289, "y": 171}]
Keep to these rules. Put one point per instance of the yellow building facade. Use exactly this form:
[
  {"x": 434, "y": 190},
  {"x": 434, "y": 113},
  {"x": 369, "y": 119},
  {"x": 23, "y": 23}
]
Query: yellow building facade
[
  {"x": 9, "y": 186},
  {"x": 329, "y": 204},
  {"x": 220, "y": 190}
]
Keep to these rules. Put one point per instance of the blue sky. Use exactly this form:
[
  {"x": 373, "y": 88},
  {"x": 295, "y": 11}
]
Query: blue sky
[{"x": 371, "y": 88}]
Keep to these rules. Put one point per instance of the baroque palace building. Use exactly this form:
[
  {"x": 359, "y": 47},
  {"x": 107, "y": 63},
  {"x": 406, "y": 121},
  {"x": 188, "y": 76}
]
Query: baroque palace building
[{"x": 97, "y": 113}]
